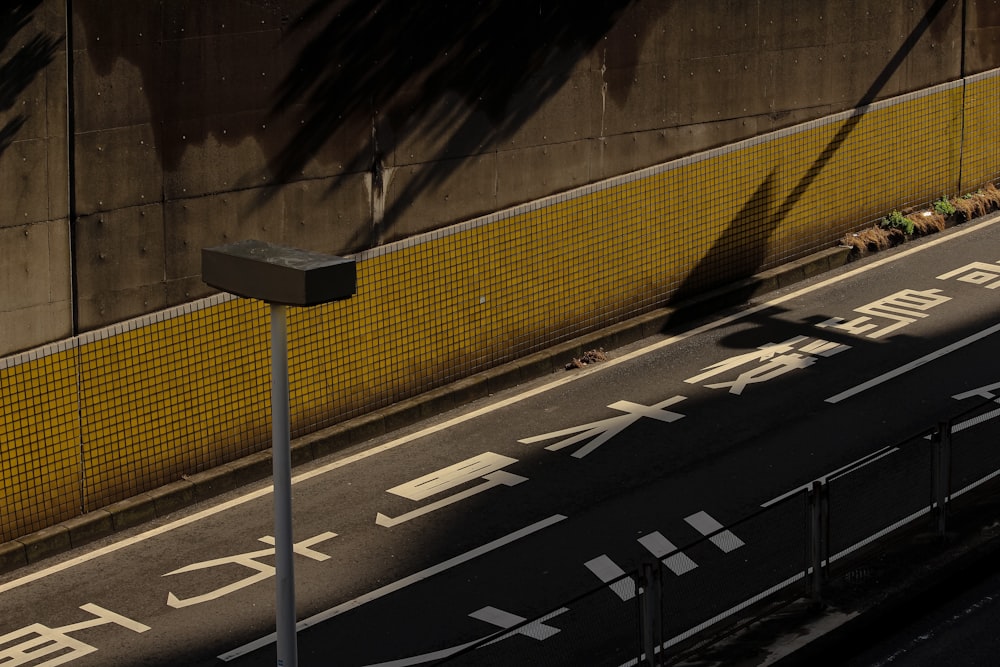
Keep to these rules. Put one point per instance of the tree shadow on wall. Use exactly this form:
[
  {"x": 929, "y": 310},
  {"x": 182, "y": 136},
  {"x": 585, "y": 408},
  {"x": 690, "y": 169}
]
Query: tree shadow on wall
[
  {"x": 465, "y": 75},
  {"x": 19, "y": 69},
  {"x": 742, "y": 247}
]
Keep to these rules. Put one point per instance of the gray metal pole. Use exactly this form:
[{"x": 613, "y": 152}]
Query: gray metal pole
[
  {"x": 649, "y": 611},
  {"x": 942, "y": 473},
  {"x": 281, "y": 457},
  {"x": 816, "y": 540}
]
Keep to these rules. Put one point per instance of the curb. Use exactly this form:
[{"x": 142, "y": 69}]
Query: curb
[
  {"x": 956, "y": 567},
  {"x": 863, "y": 629},
  {"x": 162, "y": 501}
]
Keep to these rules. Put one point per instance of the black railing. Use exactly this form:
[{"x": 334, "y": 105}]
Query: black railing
[{"x": 686, "y": 599}]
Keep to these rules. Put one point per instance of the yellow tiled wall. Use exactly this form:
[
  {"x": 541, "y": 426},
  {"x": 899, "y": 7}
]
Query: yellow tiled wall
[{"x": 113, "y": 413}]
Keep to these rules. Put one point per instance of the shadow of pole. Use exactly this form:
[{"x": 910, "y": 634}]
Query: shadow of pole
[{"x": 741, "y": 248}]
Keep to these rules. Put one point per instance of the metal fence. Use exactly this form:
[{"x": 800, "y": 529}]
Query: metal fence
[{"x": 679, "y": 604}]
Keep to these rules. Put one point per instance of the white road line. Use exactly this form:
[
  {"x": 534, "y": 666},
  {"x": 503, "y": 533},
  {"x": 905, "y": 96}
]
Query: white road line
[
  {"x": 399, "y": 585},
  {"x": 679, "y": 563},
  {"x": 506, "y": 620},
  {"x": 916, "y": 363},
  {"x": 657, "y": 544},
  {"x": 610, "y": 573},
  {"x": 706, "y": 525},
  {"x": 424, "y": 658},
  {"x": 435, "y": 656},
  {"x": 142, "y": 537},
  {"x": 536, "y": 629},
  {"x": 566, "y": 379}
]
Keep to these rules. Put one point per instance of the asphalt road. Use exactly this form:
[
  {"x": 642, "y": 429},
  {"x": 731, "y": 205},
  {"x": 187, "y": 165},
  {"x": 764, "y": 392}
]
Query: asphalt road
[{"x": 417, "y": 543}]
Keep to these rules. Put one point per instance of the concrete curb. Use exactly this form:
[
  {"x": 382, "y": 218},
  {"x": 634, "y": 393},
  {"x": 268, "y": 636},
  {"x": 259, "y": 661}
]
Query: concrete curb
[
  {"x": 194, "y": 488},
  {"x": 953, "y": 569}
]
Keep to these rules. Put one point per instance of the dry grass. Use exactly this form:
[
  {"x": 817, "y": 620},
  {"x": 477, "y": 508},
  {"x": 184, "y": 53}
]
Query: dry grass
[
  {"x": 984, "y": 201},
  {"x": 871, "y": 239},
  {"x": 992, "y": 195},
  {"x": 978, "y": 203},
  {"x": 927, "y": 222},
  {"x": 969, "y": 207}
]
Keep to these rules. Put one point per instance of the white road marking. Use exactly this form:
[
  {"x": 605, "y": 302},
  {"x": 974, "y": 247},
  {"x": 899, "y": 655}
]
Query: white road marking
[
  {"x": 38, "y": 641},
  {"x": 679, "y": 563},
  {"x": 399, "y": 585},
  {"x": 975, "y": 421},
  {"x": 903, "y": 307},
  {"x": 982, "y": 392},
  {"x": 706, "y": 525},
  {"x": 502, "y": 619},
  {"x": 609, "y": 572},
  {"x": 512, "y": 400},
  {"x": 605, "y": 429},
  {"x": 424, "y": 658},
  {"x": 917, "y": 363},
  {"x": 497, "y": 478},
  {"x": 976, "y": 273},
  {"x": 262, "y": 571},
  {"x": 452, "y": 650},
  {"x": 452, "y": 476},
  {"x": 776, "y": 359}
]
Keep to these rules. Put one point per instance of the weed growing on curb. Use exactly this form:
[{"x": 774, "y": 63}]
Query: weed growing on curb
[
  {"x": 897, "y": 220},
  {"x": 896, "y": 227},
  {"x": 944, "y": 207}
]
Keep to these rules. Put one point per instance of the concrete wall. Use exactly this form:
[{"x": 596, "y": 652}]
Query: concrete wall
[
  {"x": 342, "y": 125},
  {"x": 35, "y": 264}
]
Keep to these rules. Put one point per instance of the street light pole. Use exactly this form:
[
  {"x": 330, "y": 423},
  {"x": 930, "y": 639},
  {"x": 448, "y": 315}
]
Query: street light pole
[
  {"x": 281, "y": 277},
  {"x": 281, "y": 460}
]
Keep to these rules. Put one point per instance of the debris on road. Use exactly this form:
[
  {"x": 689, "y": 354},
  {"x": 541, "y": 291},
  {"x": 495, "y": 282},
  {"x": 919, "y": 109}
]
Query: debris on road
[{"x": 589, "y": 357}]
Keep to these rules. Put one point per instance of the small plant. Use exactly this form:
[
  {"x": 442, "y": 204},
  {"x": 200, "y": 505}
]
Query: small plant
[
  {"x": 897, "y": 220},
  {"x": 944, "y": 207}
]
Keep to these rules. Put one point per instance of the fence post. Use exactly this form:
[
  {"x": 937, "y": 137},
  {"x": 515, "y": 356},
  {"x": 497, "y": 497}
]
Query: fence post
[
  {"x": 650, "y": 613},
  {"x": 817, "y": 539},
  {"x": 942, "y": 475}
]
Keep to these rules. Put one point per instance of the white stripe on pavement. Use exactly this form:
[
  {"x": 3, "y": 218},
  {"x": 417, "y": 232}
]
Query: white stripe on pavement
[
  {"x": 706, "y": 525},
  {"x": 609, "y": 572},
  {"x": 398, "y": 585},
  {"x": 916, "y": 363}
]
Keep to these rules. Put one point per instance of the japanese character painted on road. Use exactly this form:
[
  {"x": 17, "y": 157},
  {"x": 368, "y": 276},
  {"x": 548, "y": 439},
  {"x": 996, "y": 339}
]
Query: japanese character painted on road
[
  {"x": 776, "y": 359},
  {"x": 988, "y": 392},
  {"x": 487, "y": 466},
  {"x": 976, "y": 273},
  {"x": 600, "y": 432},
  {"x": 262, "y": 570},
  {"x": 36, "y": 641},
  {"x": 903, "y": 307}
]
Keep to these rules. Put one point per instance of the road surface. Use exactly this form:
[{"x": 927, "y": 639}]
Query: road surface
[{"x": 413, "y": 545}]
